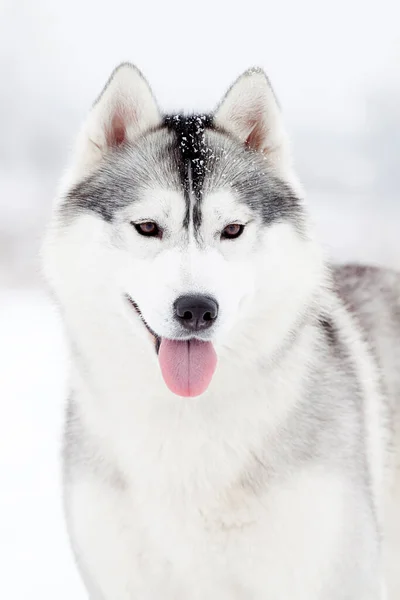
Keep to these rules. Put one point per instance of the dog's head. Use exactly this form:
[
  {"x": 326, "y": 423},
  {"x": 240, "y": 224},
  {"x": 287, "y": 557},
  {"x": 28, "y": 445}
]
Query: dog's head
[{"x": 185, "y": 225}]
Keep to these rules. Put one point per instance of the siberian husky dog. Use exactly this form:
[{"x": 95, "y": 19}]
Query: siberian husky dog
[{"x": 231, "y": 425}]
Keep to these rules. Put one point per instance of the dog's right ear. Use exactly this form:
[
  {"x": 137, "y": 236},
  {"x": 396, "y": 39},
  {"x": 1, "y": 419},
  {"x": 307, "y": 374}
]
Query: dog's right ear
[{"x": 125, "y": 109}]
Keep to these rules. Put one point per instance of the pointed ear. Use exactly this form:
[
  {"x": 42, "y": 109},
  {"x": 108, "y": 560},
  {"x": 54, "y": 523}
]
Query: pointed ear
[
  {"x": 250, "y": 112},
  {"x": 125, "y": 109}
]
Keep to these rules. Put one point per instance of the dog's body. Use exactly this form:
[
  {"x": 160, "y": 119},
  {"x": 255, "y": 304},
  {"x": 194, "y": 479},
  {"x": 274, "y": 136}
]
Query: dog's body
[{"x": 274, "y": 482}]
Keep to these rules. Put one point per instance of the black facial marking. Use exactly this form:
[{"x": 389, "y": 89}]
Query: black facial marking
[
  {"x": 188, "y": 154},
  {"x": 223, "y": 160},
  {"x": 192, "y": 157}
]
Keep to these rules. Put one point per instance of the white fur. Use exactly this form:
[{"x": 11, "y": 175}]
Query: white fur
[{"x": 182, "y": 525}]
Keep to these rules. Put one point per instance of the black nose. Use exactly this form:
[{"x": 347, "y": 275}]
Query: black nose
[{"x": 195, "y": 312}]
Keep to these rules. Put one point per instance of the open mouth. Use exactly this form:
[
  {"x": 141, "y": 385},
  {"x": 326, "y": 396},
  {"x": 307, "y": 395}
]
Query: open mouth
[{"x": 187, "y": 366}]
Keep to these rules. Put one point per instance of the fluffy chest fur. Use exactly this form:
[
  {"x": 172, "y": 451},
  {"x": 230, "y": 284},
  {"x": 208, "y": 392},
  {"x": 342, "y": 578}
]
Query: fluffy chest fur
[{"x": 234, "y": 490}]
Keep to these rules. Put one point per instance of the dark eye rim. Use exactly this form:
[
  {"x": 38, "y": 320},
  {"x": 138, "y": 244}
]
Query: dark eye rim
[
  {"x": 157, "y": 232},
  {"x": 227, "y": 236}
]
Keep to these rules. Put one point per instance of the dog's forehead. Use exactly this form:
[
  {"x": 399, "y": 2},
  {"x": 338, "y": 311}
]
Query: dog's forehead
[
  {"x": 169, "y": 205},
  {"x": 201, "y": 164}
]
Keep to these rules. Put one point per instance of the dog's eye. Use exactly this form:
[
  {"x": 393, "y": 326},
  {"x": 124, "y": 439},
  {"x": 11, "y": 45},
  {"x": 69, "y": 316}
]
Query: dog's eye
[
  {"x": 148, "y": 229},
  {"x": 232, "y": 231}
]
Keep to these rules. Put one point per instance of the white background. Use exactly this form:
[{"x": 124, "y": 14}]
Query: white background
[{"x": 335, "y": 68}]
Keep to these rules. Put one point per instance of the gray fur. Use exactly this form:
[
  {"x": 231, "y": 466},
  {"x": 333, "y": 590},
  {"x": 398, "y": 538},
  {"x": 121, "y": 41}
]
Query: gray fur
[
  {"x": 372, "y": 295},
  {"x": 157, "y": 158},
  {"x": 316, "y": 430}
]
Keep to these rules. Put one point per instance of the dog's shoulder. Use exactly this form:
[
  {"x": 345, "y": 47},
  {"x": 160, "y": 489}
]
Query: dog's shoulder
[
  {"x": 372, "y": 296},
  {"x": 366, "y": 289}
]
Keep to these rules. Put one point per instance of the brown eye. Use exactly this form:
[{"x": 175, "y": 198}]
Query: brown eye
[
  {"x": 232, "y": 231},
  {"x": 148, "y": 229}
]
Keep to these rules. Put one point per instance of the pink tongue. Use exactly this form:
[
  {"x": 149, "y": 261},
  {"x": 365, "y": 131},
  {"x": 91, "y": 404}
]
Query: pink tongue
[{"x": 187, "y": 367}]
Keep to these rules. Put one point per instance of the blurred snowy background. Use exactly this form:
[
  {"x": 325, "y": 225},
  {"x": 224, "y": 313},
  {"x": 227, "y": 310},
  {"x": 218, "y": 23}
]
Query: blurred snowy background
[{"x": 335, "y": 68}]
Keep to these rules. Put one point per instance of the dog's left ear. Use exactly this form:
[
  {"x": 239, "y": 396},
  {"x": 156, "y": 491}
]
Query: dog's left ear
[{"x": 250, "y": 112}]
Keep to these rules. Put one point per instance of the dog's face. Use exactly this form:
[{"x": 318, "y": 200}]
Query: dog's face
[{"x": 184, "y": 225}]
